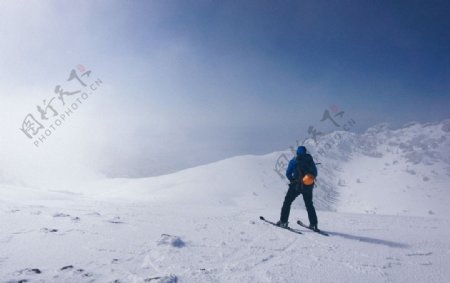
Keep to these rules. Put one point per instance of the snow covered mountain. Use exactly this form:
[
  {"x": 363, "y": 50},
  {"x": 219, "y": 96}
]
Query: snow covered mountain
[
  {"x": 382, "y": 195},
  {"x": 404, "y": 171}
]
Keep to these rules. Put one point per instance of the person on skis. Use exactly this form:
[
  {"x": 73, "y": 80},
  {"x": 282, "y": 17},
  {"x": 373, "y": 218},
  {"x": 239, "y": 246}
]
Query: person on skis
[{"x": 301, "y": 172}]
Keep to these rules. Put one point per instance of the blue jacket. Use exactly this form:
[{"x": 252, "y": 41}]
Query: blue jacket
[{"x": 303, "y": 162}]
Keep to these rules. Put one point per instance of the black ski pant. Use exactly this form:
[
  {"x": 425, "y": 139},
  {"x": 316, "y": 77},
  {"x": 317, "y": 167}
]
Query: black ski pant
[{"x": 293, "y": 192}]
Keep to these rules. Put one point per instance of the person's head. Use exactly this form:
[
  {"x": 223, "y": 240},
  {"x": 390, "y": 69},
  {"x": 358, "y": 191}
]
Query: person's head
[{"x": 301, "y": 150}]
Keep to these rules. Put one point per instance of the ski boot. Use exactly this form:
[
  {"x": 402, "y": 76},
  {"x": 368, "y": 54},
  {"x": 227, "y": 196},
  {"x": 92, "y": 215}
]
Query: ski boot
[
  {"x": 314, "y": 227},
  {"x": 282, "y": 224}
]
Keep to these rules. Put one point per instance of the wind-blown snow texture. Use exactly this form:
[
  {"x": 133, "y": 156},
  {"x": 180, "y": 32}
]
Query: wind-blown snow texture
[{"x": 382, "y": 196}]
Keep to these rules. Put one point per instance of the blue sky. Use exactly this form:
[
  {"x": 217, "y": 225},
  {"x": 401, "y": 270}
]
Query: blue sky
[{"x": 190, "y": 82}]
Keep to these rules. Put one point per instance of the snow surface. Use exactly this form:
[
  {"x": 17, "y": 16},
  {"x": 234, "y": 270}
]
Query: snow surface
[{"x": 382, "y": 196}]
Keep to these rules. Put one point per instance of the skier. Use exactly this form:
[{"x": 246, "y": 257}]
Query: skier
[{"x": 301, "y": 173}]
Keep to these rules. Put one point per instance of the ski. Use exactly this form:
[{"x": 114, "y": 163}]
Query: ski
[
  {"x": 274, "y": 224},
  {"x": 307, "y": 227}
]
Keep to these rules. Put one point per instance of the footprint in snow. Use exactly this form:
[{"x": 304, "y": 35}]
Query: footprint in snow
[
  {"x": 67, "y": 267},
  {"x": 60, "y": 214},
  {"x": 78, "y": 271},
  {"x": 170, "y": 240},
  {"x": 115, "y": 260},
  {"x": 47, "y": 230},
  {"x": 115, "y": 220},
  {"x": 25, "y": 272},
  {"x": 29, "y": 271},
  {"x": 165, "y": 279}
]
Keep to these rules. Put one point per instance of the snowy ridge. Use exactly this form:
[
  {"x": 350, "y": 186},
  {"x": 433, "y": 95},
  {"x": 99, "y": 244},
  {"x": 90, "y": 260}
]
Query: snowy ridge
[{"x": 403, "y": 171}]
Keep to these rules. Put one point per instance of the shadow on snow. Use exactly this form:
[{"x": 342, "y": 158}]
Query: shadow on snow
[{"x": 369, "y": 240}]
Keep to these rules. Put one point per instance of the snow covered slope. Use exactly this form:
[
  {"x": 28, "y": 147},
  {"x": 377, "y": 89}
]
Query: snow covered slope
[
  {"x": 404, "y": 171},
  {"x": 383, "y": 197}
]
